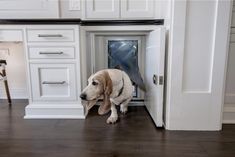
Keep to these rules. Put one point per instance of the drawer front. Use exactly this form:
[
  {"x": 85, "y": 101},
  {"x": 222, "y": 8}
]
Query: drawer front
[
  {"x": 63, "y": 35},
  {"x": 53, "y": 82},
  {"x": 51, "y": 52}
]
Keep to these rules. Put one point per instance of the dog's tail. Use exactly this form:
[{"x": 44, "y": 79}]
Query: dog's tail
[{"x": 127, "y": 87}]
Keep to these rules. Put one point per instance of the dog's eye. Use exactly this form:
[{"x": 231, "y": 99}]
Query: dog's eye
[{"x": 94, "y": 83}]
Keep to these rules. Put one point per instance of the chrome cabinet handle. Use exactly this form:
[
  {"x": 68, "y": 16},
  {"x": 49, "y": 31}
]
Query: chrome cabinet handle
[
  {"x": 52, "y": 82},
  {"x": 50, "y": 35},
  {"x": 51, "y": 53}
]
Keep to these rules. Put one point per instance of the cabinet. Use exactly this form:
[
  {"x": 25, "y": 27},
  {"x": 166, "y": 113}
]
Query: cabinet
[
  {"x": 119, "y": 9},
  {"x": 29, "y": 9},
  {"x": 53, "y": 56}
]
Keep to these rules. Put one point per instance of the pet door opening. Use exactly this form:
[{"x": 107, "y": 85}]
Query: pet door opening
[
  {"x": 126, "y": 50},
  {"x": 120, "y": 52}
]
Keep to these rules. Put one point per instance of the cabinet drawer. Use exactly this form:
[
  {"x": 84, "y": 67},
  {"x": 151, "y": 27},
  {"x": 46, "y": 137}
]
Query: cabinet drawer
[
  {"x": 55, "y": 35},
  {"x": 53, "y": 82},
  {"x": 51, "y": 52}
]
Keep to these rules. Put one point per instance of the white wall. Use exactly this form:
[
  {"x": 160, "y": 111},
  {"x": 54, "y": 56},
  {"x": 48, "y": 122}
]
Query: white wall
[
  {"x": 197, "y": 64},
  {"x": 229, "y": 106},
  {"x": 16, "y": 70}
]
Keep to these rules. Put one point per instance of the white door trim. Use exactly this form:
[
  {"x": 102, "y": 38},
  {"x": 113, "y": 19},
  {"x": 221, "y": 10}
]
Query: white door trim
[{"x": 196, "y": 110}]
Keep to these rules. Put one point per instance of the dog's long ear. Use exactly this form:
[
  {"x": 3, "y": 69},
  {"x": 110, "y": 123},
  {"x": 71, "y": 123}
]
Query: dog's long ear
[
  {"x": 87, "y": 105},
  {"x": 108, "y": 88}
]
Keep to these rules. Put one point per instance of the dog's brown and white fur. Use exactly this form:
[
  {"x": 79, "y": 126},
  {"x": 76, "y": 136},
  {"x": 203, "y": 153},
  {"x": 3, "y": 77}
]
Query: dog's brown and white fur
[{"x": 114, "y": 86}]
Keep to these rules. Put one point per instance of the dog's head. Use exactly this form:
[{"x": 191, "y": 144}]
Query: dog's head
[{"x": 99, "y": 85}]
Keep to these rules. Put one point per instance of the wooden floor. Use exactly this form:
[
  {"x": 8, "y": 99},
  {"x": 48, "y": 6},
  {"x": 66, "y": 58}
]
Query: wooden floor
[{"x": 133, "y": 136}]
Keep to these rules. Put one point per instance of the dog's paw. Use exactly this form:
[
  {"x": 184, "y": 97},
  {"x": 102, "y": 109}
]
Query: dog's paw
[
  {"x": 112, "y": 120},
  {"x": 123, "y": 109}
]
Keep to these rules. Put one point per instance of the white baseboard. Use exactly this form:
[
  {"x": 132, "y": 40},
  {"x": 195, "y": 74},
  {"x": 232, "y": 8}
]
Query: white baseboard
[
  {"x": 53, "y": 111},
  {"x": 229, "y": 121},
  {"x": 229, "y": 114},
  {"x": 136, "y": 103},
  {"x": 19, "y": 93},
  {"x": 229, "y": 98},
  {"x": 229, "y": 109}
]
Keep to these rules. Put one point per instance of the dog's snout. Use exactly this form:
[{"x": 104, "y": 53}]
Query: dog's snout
[{"x": 83, "y": 96}]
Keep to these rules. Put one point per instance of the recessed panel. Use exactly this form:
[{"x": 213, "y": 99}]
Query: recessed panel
[
  {"x": 102, "y": 9},
  {"x": 54, "y": 82},
  {"x": 137, "y": 9},
  {"x": 103, "y": 5},
  {"x": 198, "y": 52},
  {"x": 140, "y": 5}
]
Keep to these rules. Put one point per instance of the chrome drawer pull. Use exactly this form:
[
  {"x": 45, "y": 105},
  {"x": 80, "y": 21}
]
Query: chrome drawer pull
[
  {"x": 51, "y": 53},
  {"x": 50, "y": 35},
  {"x": 50, "y": 82}
]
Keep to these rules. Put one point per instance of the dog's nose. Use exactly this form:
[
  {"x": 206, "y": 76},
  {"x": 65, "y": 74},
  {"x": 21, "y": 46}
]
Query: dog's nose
[{"x": 83, "y": 96}]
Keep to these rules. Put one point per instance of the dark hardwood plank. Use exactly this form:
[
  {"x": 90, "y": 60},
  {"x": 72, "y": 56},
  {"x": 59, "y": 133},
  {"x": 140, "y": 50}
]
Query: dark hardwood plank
[{"x": 133, "y": 135}]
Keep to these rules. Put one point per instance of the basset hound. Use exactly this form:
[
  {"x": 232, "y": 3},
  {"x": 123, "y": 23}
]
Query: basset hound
[{"x": 113, "y": 86}]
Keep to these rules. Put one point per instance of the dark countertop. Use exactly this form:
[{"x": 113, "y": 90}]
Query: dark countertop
[{"x": 80, "y": 22}]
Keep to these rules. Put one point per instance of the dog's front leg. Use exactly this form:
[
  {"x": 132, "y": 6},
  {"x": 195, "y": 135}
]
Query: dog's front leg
[{"x": 114, "y": 116}]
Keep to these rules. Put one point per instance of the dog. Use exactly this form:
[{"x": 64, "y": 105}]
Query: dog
[{"x": 114, "y": 87}]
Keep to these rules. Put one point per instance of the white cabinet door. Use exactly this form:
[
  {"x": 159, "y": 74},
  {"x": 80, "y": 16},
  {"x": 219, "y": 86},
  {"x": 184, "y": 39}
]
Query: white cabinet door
[
  {"x": 18, "y": 9},
  {"x": 137, "y": 9},
  {"x": 53, "y": 82},
  {"x": 154, "y": 74},
  {"x": 102, "y": 9}
]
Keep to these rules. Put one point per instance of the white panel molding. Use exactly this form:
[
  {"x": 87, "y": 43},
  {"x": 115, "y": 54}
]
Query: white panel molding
[
  {"x": 91, "y": 11},
  {"x": 197, "y": 110},
  {"x": 146, "y": 9}
]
